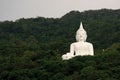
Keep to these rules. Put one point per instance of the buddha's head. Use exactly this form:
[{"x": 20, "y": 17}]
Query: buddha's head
[{"x": 81, "y": 34}]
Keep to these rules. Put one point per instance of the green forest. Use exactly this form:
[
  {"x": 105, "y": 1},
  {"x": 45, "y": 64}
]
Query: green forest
[{"x": 31, "y": 49}]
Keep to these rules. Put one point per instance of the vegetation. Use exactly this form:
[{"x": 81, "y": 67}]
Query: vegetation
[{"x": 31, "y": 49}]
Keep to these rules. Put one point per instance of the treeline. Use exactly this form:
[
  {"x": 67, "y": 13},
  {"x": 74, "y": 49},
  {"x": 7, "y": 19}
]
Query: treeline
[
  {"x": 100, "y": 67},
  {"x": 31, "y": 49}
]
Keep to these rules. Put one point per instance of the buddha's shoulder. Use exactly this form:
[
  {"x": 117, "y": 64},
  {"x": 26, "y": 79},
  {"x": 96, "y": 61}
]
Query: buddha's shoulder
[
  {"x": 86, "y": 43},
  {"x": 74, "y": 43}
]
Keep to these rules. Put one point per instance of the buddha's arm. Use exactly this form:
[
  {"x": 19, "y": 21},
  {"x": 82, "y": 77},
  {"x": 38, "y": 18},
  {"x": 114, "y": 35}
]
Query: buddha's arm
[
  {"x": 91, "y": 50},
  {"x": 72, "y": 49}
]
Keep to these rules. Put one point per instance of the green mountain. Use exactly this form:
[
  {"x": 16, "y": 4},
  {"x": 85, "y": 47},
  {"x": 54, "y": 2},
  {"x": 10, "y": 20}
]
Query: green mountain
[{"x": 31, "y": 49}]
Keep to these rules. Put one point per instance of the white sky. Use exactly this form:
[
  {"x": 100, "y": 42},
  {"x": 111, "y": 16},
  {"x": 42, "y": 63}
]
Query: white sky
[{"x": 15, "y": 9}]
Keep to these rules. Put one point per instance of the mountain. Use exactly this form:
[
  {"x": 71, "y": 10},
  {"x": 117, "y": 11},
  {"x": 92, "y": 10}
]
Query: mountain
[{"x": 34, "y": 46}]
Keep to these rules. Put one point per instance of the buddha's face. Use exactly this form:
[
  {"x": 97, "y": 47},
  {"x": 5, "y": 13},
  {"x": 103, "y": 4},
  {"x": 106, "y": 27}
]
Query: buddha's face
[{"x": 81, "y": 36}]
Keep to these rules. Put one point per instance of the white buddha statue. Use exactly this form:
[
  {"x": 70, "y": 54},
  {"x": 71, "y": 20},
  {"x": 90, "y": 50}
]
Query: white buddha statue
[{"x": 81, "y": 47}]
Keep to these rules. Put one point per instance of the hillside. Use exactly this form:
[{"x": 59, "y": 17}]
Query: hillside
[{"x": 31, "y": 49}]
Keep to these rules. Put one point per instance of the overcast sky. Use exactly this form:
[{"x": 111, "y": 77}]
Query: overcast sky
[{"x": 15, "y": 9}]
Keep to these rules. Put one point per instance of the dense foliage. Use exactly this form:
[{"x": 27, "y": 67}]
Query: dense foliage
[{"x": 31, "y": 49}]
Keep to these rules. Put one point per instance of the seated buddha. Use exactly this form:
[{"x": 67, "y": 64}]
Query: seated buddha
[{"x": 81, "y": 47}]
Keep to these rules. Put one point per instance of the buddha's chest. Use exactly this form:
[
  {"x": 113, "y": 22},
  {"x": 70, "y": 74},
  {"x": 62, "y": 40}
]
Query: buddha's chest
[{"x": 81, "y": 47}]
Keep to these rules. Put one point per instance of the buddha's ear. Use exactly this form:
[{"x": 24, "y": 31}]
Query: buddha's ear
[
  {"x": 85, "y": 37},
  {"x": 77, "y": 38}
]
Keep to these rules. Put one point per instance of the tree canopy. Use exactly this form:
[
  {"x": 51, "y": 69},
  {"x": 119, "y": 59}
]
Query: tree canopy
[{"x": 31, "y": 49}]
